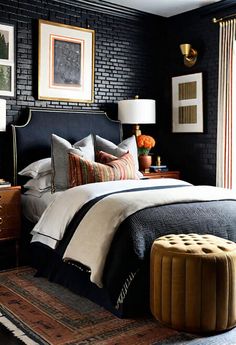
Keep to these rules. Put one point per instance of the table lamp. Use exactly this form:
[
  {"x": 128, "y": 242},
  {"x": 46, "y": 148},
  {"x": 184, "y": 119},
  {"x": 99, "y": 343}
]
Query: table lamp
[{"x": 137, "y": 111}]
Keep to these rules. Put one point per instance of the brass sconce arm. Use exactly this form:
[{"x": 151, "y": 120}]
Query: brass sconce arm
[{"x": 189, "y": 53}]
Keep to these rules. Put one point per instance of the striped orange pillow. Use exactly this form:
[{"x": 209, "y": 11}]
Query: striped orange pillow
[
  {"x": 104, "y": 157},
  {"x": 82, "y": 171}
]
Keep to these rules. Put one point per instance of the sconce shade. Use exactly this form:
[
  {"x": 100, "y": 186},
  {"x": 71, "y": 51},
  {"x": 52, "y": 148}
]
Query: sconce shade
[
  {"x": 2, "y": 115},
  {"x": 185, "y": 48},
  {"x": 137, "y": 111}
]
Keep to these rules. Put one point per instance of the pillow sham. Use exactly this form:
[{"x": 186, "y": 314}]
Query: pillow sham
[
  {"x": 104, "y": 157},
  {"x": 37, "y": 168},
  {"x": 60, "y": 164},
  {"x": 84, "y": 171},
  {"x": 39, "y": 184},
  {"x": 36, "y": 193},
  {"x": 127, "y": 145}
]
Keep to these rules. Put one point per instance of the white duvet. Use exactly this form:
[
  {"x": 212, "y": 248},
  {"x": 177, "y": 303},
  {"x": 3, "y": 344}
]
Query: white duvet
[
  {"x": 92, "y": 238},
  {"x": 53, "y": 222}
]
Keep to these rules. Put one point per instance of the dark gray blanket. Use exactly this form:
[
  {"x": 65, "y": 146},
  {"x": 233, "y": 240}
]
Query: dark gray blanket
[{"x": 129, "y": 256}]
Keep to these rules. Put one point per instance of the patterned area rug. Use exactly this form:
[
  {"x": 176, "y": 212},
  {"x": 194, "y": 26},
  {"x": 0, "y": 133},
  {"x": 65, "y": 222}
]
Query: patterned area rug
[{"x": 40, "y": 312}]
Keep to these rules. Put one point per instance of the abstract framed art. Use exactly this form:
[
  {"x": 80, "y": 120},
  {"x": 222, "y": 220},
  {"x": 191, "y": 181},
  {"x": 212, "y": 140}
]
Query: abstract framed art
[
  {"x": 7, "y": 60},
  {"x": 187, "y": 104},
  {"x": 66, "y": 63}
]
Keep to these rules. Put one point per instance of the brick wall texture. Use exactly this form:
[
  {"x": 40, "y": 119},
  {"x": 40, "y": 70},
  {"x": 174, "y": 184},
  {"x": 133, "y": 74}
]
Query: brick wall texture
[{"x": 133, "y": 56}]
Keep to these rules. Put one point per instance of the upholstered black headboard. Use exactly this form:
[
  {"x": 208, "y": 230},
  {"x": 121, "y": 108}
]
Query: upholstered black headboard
[{"x": 32, "y": 141}]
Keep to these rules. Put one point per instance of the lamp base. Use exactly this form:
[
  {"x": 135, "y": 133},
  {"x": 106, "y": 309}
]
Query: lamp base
[{"x": 136, "y": 130}]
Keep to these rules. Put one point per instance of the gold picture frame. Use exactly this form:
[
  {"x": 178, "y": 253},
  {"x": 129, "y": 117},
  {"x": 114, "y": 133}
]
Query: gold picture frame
[
  {"x": 187, "y": 104},
  {"x": 66, "y": 63},
  {"x": 7, "y": 60}
]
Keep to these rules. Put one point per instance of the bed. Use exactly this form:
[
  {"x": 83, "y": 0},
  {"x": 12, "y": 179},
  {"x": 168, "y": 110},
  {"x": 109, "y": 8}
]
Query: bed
[{"x": 102, "y": 250}]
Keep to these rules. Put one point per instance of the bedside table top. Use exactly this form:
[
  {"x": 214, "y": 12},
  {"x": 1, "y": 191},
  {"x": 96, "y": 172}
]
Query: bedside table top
[
  {"x": 2, "y": 187},
  {"x": 162, "y": 174}
]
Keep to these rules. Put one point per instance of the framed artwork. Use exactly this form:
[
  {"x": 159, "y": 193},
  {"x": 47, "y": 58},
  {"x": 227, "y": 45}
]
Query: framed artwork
[
  {"x": 66, "y": 62},
  {"x": 187, "y": 105},
  {"x": 7, "y": 60}
]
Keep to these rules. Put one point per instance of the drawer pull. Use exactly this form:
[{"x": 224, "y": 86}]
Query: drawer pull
[
  {"x": 1, "y": 220},
  {"x": 1, "y": 207}
]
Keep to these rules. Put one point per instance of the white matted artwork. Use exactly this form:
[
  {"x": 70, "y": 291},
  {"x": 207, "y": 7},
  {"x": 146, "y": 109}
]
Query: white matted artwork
[
  {"x": 7, "y": 60},
  {"x": 66, "y": 62},
  {"x": 187, "y": 105}
]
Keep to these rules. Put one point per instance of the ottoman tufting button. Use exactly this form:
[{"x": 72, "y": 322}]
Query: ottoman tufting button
[{"x": 207, "y": 250}]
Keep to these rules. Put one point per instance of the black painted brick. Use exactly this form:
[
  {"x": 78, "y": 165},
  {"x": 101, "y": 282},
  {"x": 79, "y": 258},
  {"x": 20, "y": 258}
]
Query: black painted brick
[{"x": 131, "y": 57}]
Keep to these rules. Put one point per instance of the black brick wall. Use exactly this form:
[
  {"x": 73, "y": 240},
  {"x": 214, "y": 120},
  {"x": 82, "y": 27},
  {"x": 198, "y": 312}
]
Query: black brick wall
[
  {"x": 136, "y": 55},
  {"x": 125, "y": 61},
  {"x": 194, "y": 154}
]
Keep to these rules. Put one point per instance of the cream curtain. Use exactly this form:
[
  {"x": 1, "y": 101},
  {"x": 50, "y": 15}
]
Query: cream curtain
[{"x": 226, "y": 125}]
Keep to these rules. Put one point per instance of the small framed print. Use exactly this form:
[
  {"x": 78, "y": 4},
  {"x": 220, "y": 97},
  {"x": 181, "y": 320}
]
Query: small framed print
[
  {"x": 7, "y": 60},
  {"x": 187, "y": 105},
  {"x": 66, "y": 62}
]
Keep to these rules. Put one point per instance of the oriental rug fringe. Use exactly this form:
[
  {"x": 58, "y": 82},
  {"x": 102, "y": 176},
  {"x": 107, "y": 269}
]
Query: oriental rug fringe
[{"x": 42, "y": 313}]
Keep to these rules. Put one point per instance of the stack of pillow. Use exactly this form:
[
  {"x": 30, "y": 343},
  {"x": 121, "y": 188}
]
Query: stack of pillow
[
  {"x": 92, "y": 159},
  {"x": 40, "y": 173}
]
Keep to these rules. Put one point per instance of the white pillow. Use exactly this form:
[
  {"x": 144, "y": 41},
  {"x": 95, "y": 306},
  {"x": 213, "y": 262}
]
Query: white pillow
[
  {"x": 60, "y": 161},
  {"x": 35, "y": 193},
  {"x": 127, "y": 145},
  {"x": 39, "y": 184},
  {"x": 38, "y": 168}
]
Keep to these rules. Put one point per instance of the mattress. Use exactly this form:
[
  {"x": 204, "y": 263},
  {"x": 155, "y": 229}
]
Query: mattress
[{"x": 33, "y": 204}]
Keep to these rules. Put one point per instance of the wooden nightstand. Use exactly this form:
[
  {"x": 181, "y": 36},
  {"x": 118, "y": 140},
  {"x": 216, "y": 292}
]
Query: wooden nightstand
[
  {"x": 10, "y": 216},
  {"x": 163, "y": 174}
]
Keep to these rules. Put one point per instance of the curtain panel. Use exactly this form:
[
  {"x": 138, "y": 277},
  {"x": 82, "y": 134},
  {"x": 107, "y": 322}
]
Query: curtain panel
[{"x": 226, "y": 128}]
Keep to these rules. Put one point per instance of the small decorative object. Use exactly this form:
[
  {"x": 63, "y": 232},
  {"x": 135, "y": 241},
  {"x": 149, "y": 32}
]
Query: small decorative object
[
  {"x": 144, "y": 162},
  {"x": 145, "y": 143},
  {"x": 158, "y": 161},
  {"x": 4, "y": 183}
]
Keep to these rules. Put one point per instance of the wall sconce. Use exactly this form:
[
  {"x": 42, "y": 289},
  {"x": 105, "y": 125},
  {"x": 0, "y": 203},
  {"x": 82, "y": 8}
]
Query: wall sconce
[
  {"x": 190, "y": 54},
  {"x": 137, "y": 111},
  {"x": 2, "y": 115}
]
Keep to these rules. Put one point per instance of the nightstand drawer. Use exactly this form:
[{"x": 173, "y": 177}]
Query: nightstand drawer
[
  {"x": 164, "y": 174},
  {"x": 10, "y": 216},
  {"x": 8, "y": 209},
  {"x": 170, "y": 174},
  {"x": 9, "y": 196},
  {"x": 9, "y": 233},
  {"x": 9, "y": 222}
]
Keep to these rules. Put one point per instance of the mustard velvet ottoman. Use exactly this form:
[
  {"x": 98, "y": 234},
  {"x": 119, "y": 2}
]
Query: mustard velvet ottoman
[{"x": 193, "y": 282}]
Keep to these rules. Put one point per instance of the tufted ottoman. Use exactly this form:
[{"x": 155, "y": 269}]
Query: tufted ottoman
[{"x": 193, "y": 282}]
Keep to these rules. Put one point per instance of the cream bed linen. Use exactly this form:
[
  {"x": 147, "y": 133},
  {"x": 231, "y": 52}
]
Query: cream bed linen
[{"x": 33, "y": 206}]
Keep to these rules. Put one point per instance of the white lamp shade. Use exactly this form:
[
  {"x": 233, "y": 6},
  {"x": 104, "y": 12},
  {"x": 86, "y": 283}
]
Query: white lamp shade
[
  {"x": 137, "y": 111},
  {"x": 2, "y": 115}
]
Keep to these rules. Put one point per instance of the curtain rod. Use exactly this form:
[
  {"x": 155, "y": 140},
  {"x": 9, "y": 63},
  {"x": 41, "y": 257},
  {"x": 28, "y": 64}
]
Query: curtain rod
[{"x": 218, "y": 20}]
